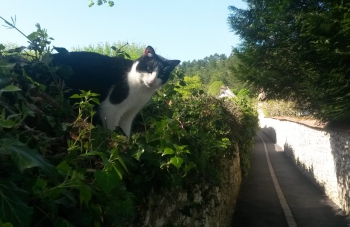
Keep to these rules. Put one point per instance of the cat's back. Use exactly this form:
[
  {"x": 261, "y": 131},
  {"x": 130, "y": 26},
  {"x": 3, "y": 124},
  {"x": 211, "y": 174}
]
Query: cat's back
[{"x": 93, "y": 71}]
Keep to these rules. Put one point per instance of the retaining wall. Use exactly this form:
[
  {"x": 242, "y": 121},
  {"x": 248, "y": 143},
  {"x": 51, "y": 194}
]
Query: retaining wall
[
  {"x": 322, "y": 155},
  {"x": 208, "y": 206}
]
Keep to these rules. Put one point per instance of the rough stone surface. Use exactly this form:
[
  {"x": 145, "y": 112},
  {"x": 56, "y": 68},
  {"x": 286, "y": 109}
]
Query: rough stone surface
[
  {"x": 217, "y": 210},
  {"x": 322, "y": 155}
]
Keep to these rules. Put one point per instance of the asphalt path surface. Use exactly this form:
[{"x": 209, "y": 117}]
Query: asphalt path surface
[{"x": 276, "y": 193}]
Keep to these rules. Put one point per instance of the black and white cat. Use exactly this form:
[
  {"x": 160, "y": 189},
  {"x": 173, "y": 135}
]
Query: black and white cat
[{"x": 125, "y": 86}]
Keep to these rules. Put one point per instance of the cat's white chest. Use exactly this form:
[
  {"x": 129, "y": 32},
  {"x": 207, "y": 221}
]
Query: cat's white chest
[{"x": 123, "y": 113}]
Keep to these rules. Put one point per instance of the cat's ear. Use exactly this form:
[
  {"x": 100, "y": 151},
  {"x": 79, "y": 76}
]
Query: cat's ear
[
  {"x": 171, "y": 65},
  {"x": 174, "y": 63},
  {"x": 149, "y": 52}
]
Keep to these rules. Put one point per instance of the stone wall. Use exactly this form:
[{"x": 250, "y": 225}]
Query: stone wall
[
  {"x": 208, "y": 206},
  {"x": 322, "y": 155}
]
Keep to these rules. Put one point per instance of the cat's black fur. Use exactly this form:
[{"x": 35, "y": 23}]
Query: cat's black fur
[{"x": 97, "y": 73}]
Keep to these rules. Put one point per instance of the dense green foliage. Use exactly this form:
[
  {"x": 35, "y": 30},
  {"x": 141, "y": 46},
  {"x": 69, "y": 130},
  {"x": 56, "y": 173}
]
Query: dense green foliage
[
  {"x": 58, "y": 169},
  {"x": 213, "y": 68},
  {"x": 189, "y": 86},
  {"x": 214, "y": 88},
  {"x": 297, "y": 50},
  {"x": 274, "y": 108},
  {"x": 131, "y": 51}
]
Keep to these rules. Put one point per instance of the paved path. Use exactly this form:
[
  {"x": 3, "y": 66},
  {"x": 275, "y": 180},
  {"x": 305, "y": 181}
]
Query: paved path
[{"x": 275, "y": 193}]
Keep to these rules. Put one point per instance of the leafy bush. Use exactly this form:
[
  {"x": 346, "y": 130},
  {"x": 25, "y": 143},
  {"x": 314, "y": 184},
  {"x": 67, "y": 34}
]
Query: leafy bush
[
  {"x": 249, "y": 124},
  {"x": 189, "y": 86},
  {"x": 57, "y": 168},
  {"x": 126, "y": 50},
  {"x": 214, "y": 88},
  {"x": 273, "y": 108},
  {"x": 243, "y": 93}
]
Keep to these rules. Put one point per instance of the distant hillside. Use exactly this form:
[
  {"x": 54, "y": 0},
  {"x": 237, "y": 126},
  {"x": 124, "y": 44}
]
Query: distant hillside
[{"x": 213, "y": 68}]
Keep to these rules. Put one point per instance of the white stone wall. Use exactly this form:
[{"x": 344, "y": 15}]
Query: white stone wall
[{"x": 323, "y": 155}]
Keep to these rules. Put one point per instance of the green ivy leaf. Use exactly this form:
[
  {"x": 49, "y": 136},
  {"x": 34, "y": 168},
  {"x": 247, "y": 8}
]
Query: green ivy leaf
[
  {"x": 13, "y": 207},
  {"x": 127, "y": 55},
  {"x": 32, "y": 36},
  {"x": 188, "y": 167},
  {"x": 137, "y": 155},
  {"x": 25, "y": 158},
  {"x": 6, "y": 123},
  {"x": 168, "y": 150},
  {"x": 176, "y": 161},
  {"x": 95, "y": 100},
  {"x": 76, "y": 96},
  {"x": 10, "y": 88},
  {"x": 39, "y": 186},
  {"x": 115, "y": 154},
  {"x": 54, "y": 192},
  {"x": 118, "y": 169},
  {"x": 107, "y": 180},
  {"x": 91, "y": 94},
  {"x": 150, "y": 137},
  {"x": 181, "y": 147},
  {"x": 78, "y": 175},
  {"x": 63, "y": 168},
  {"x": 85, "y": 194},
  {"x": 92, "y": 153}
]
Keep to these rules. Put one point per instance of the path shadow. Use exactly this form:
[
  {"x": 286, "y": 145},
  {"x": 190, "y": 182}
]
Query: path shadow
[
  {"x": 340, "y": 148},
  {"x": 340, "y": 142},
  {"x": 270, "y": 132},
  {"x": 308, "y": 171},
  {"x": 257, "y": 205}
]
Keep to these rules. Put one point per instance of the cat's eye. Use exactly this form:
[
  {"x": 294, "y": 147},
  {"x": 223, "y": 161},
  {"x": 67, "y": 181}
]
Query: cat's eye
[{"x": 149, "y": 70}]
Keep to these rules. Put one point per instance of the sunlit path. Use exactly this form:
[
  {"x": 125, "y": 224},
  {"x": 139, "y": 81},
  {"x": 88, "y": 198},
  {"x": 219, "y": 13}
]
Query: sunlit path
[{"x": 275, "y": 193}]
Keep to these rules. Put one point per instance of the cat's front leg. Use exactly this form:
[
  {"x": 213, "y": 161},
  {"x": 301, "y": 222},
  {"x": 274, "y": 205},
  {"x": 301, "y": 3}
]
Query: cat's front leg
[
  {"x": 110, "y": 123},
  {"x": 109, "y": 115},
  {"x": 126, "y": 122}
]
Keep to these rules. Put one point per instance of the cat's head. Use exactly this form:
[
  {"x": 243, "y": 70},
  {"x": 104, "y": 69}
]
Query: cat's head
[{"x": 154, "y": 69}]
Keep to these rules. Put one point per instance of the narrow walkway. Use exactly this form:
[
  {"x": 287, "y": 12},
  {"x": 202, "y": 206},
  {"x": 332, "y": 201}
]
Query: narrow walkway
[{"x": 276, "y": 193}]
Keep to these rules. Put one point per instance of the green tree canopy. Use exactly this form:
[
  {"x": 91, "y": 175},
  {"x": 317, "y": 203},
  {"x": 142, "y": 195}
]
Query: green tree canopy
[
  {"x": 297, "y": 49},
  {"x": 213, "y": 68}
]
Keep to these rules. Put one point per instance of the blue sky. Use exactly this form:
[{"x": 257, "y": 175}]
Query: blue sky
[{"x": 177, "y": 29}]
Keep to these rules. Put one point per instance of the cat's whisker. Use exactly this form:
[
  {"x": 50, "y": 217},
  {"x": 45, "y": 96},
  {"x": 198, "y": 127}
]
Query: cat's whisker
[{"x": 139, "y": 87}]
